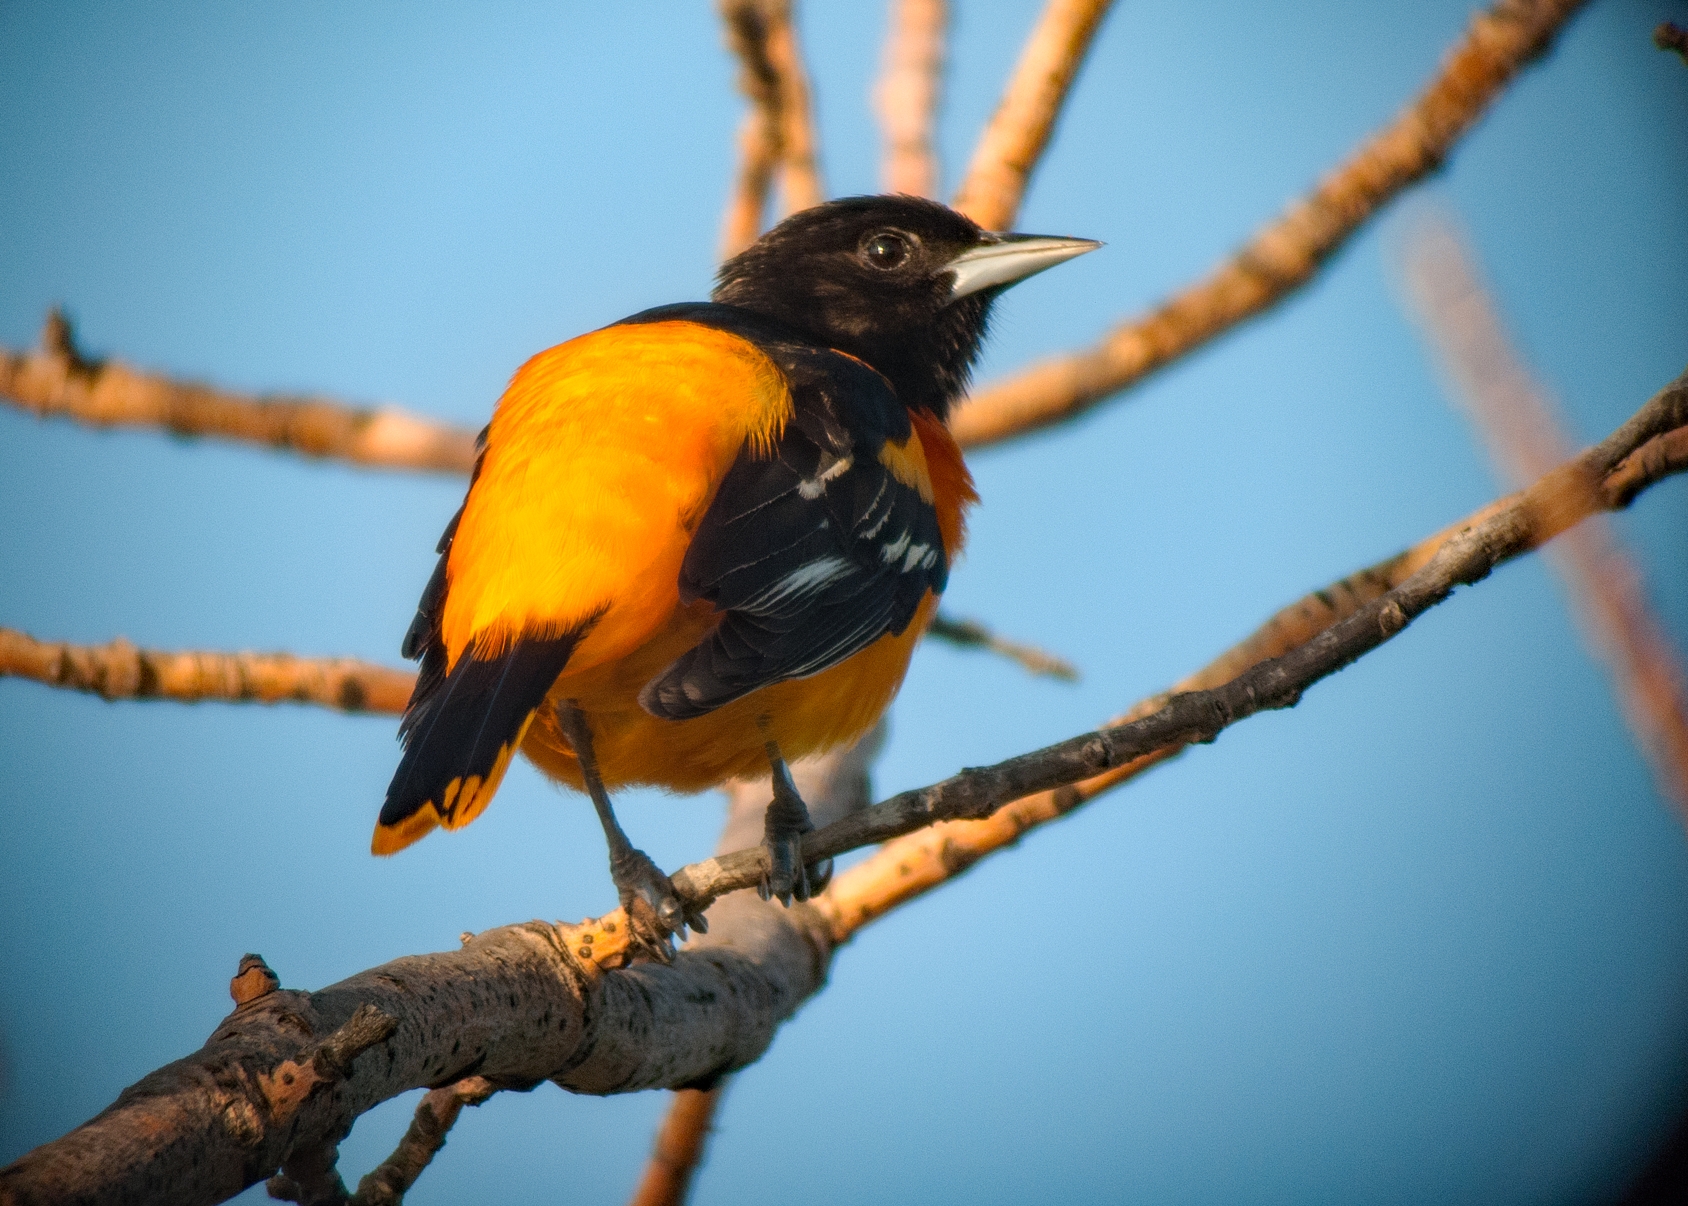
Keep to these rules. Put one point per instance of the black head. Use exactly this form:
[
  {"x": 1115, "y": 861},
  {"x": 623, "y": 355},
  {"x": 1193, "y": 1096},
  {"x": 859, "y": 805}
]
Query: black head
[{"x": 900, "y": 282}]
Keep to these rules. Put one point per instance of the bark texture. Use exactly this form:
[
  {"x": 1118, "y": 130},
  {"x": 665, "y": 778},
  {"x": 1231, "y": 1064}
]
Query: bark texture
[{"x": 118, "y": 670}]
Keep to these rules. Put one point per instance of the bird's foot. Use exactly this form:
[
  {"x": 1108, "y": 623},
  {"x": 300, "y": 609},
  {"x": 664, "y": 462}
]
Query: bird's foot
[
  {"x": 782, "y": 836},
  {"x": 655, "y": 911}
]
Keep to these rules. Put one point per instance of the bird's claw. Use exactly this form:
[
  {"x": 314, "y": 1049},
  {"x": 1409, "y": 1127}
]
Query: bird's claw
[
  {"x": 787, "y": 877},
  {"x": 656, "y": 912}
]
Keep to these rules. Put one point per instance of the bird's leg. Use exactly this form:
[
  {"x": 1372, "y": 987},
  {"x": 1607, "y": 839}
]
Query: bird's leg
[
  {"x": 637, "y": 878},
  {"x": 783, "y": 828}
]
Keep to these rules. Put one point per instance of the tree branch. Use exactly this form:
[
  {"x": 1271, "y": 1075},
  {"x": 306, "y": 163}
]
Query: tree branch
[
  {"x": 970, "y": 634},
  {"x": 1020, "y": 129},
  {"x": 1287, "y": 253},
  {"x": 1518, "y": 423},
  {"x": 679, "y": 1147},
  {"x": 60, "y": 380},
  {"x": 524, "y": 1003},
  {"x": 120, "y": 671},
  {"x": 778, "y": 133},
  {"x": 908, "y": 94},
  {"x": 423, "y": 1139},
  {"x": 1653, "y": 443}
]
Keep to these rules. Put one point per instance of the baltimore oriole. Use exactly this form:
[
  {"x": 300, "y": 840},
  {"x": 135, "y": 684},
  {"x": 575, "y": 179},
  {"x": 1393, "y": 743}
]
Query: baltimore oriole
[{"x": 705, "y": 539}]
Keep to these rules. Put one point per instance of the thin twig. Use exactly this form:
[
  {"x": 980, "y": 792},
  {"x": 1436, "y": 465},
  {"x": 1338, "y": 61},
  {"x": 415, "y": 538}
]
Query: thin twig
[
  {"x": 970, "y": 634},
  {"x": 1671, "y": 36},
  {"x": 909, "y": 92},
  {"x": 679, "y": 1147},
  {"x": 119, "y": 670},
  {"x": 1287, "y": 253},
  {"x": 60, "y": 380},
  {"x": 435, "y": 1115},
  {"x": 1518, "y": 422},
  {"x": 778, "y": 134},
  {"x": 1654, "y": 441},
  {"x": 1020, "y": 129}
]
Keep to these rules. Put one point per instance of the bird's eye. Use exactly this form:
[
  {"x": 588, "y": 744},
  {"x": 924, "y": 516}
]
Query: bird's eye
[{"x": 886, "y": 251}]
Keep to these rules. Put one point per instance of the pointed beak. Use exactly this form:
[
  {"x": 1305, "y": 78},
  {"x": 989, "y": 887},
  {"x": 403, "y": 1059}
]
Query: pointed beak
[{"x": 1013, "y": 257}]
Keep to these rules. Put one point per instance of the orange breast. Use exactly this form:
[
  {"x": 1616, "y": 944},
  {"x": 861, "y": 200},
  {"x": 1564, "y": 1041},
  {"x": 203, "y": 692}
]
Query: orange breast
[
  {"x": 601, "y": 460},
  {"x": 805, "y": 716}
]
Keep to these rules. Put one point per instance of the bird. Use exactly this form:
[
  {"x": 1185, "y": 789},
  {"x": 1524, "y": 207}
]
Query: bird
[{"x": 702, "y": 541}]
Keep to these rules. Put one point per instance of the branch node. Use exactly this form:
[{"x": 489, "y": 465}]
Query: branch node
[
  {"x": 58, "y": 340},
  {"x": 332, "y": 1058},
  {"x": 253, "y": 980}
]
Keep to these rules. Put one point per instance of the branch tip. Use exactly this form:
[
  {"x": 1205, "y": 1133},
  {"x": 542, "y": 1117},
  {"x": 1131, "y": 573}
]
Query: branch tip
[
  {"x": 252, "y": 980},
  {"x": 1671, "y": 36}
]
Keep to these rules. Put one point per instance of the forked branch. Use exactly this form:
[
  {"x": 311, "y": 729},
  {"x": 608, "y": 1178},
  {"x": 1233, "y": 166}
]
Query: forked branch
[{"x": 1286, "y": 254}]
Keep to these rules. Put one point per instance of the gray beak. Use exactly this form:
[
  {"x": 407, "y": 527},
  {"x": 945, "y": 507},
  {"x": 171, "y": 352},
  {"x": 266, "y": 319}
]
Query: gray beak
[{"x": 1013, "y": 257}]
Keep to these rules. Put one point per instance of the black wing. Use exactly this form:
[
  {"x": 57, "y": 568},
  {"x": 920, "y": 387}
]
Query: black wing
[
  {"x": 813, "y": 553},
  {"x": 460, "y": 728}
]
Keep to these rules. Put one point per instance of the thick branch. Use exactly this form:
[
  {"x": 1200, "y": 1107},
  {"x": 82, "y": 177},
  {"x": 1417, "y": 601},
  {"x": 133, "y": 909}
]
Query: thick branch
[
  {"x": 120, "y": 671},
  {"x": 778, "y": 133},
  {"x": 59, "y": 380},
  {"x": 515, "y": 1006},
  {"x": 1024, "y": 120},
  {"x": 1286, "y": 254},
  {"x": 908, "y": 94},
  {"x": 1524, "y": 436},
  {"x": 524, "y": 1003},
  {"x": 1603, "y": 478}
]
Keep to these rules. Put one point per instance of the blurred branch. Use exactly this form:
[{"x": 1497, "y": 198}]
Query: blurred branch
[
  {"x": 907, "y": 96},
  {"x": 679, "y": 1148},
  {"x": 1518, "y": 423},
  {"x": 778, "y": 133},
  {"x": 1287, "y": 253},
  {"x": 970, "y": 634},
  {"x": 524, "y": 1003},
  {"x": 1671, "y": 36},
  {"x": 60, "y": 380},
  {"x": 119, "y": 670},
  {"x": 1020, "y": 128}
]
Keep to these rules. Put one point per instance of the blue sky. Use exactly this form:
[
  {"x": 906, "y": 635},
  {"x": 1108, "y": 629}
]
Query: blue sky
[{"x": 1421, "y": 938}]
